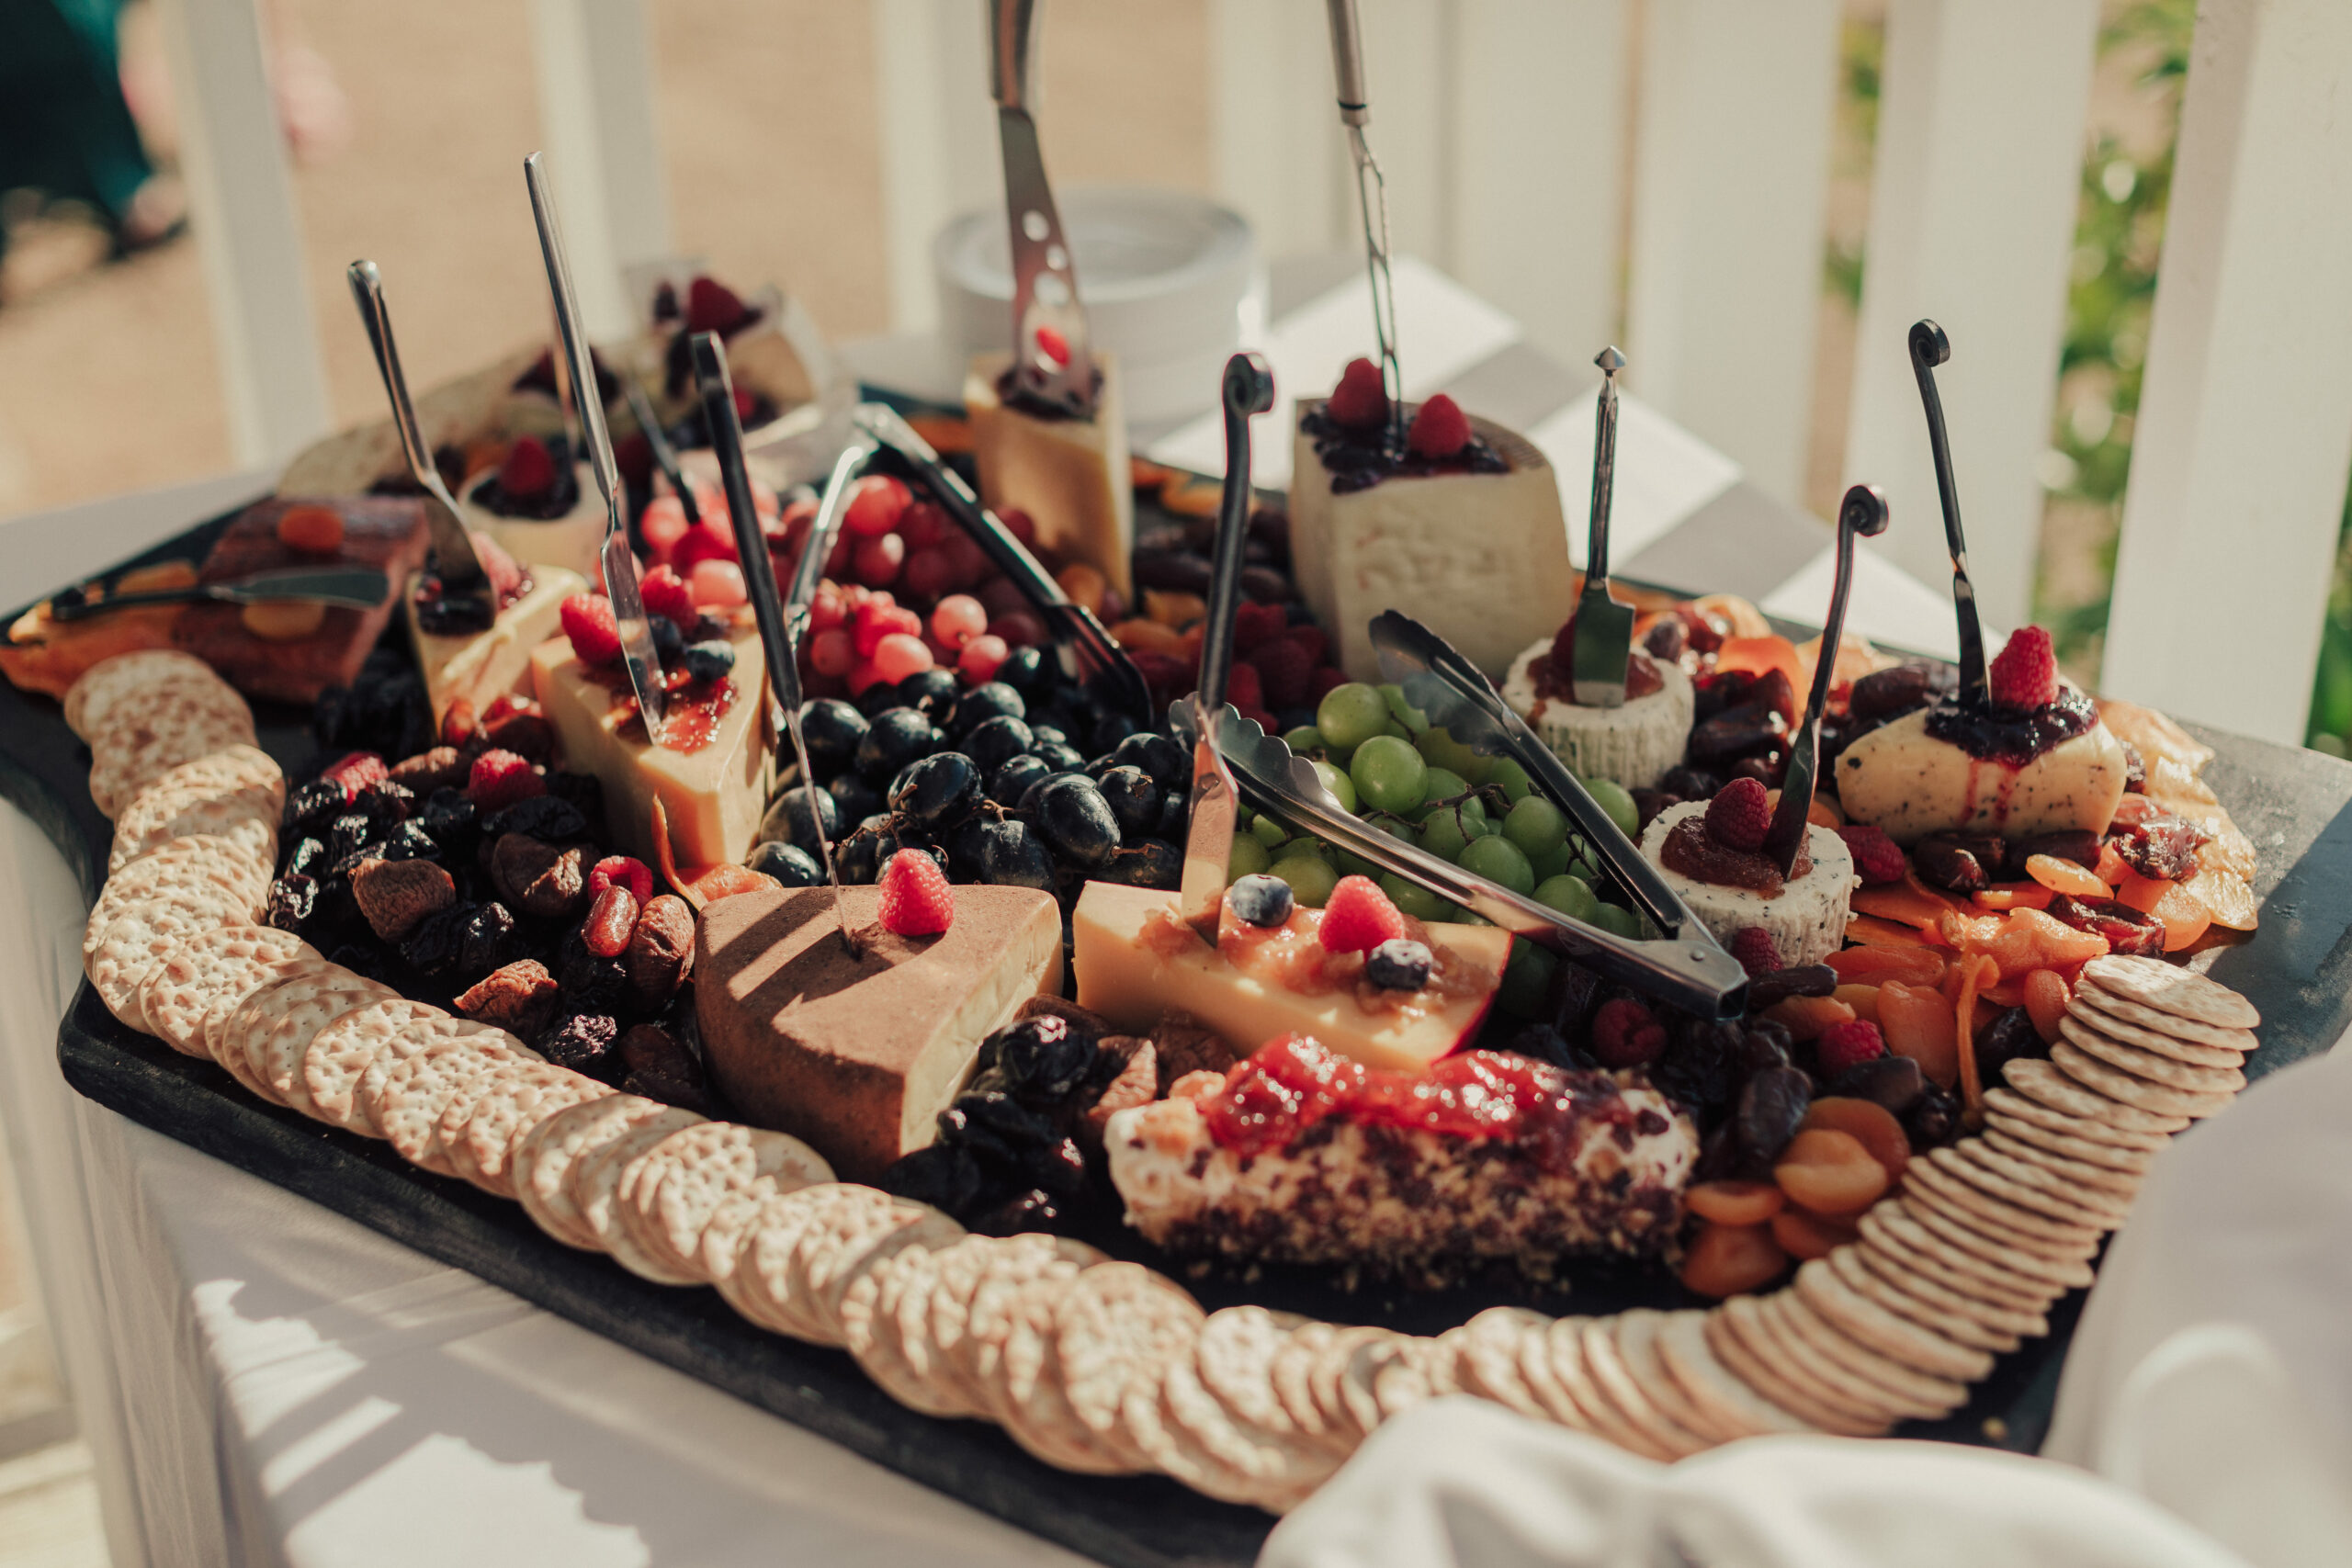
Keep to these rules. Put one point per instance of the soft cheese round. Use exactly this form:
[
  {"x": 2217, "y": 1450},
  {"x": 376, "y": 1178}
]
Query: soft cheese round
[
  {"x": 1630, "y": 745},
  {"x": 571, "y": 541},
  {"x": 1900, "y": 778},
  {"x": 1807, "y": 921}
]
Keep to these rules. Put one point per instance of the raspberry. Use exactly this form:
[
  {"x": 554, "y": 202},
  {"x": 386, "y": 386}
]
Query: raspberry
[
  {"x": 1358, "y": 916},
  {"x": 1740, "y": 815},
  {"x": 666, "y": 594},
  {"x": 1325, "y": 680},
  {"x": 1254, "y": 625},
  {"x": 712, "y": 307},
  {"x": 1877, "y": 858},
  {"x": 2025, "y": 673},
  {"x": 1244, "y": 689},
  {"x": 1285, "y": 671},
  {"x": 1849, "y": 1045},
  {"x": 916, "y": 900},
  {"x": 500, "y": 779},
  {"x": 354, "y": 771},
  {"x": 1626, "y": 1034},
  {"x": 1311, "y": 641},
  {"x": 1754, "y": 948},
  {"x": 588, "y": 621},
  {"x": 1440, "y": 430},
  {"x": 622, "y": 870},
  {"x": 1358, "y": 399},
  {"x": 529, "y": 467}
]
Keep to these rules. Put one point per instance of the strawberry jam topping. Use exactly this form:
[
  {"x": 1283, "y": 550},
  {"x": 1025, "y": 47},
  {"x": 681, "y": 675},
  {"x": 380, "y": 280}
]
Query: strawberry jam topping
[{"x": 1553, "y": 674}]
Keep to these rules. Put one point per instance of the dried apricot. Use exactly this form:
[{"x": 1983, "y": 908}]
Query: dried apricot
[
  {"x": 1919, "y": 1023},
  {"x": 2183, "y": 915},
  {"x": 2111, "y": 868},
  {"x": 1805, "y": 1017},
  {"x": 1804, "y": 1236},
  {"x": 1830, "y": 1172},
  {"x": 1904, "y": 905},
  {"x": 2065, "y": 876},
  {"x": 283, "y": 620},
  {"x": 1761, "y": 654},
  {"x": 2003, "y": 897},
  {"x": 1871, "y": 931},
  {"x": 2046, "y": 995},
  {"x": 1867, "y": 1122},
  {"x": 1735, "y": 1202},
  {"x": 2225, "y": 894},
  {"x": 1875, "y": 966},
  {"x": 1085, "y": 586},
  {"x": 1728, "y": 1259},
  {"x": 311, "y": 528},
  {"x": 1863, "y": 1000}
]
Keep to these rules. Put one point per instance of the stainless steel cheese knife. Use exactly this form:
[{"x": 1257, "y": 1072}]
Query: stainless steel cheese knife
[
  {"x": 1604, "y": 628},
  {"x": 1861, "y": 514},
  {"x": 1929, "y": 348},
  {"x": 357, "y": 587},
  {"x": 1053, "y": 357}
]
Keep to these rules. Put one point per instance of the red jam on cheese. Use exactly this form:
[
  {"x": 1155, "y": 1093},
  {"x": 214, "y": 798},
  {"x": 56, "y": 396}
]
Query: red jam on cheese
[
  {"x": 692, "y": 718},
  {"x": 1289, "y": 956}
]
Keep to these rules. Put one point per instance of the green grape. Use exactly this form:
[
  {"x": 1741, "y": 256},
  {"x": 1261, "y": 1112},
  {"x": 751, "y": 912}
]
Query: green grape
[
  {"x": 1461, "y": 917},
  {"x": 1403, "y": 832},
  {"x": 1306, "y": 741},
  {"x": 1388, "y": 774},
  {"x": 1402, "y": 711},
  {"x": 1311, "y": 880},
  {"x": 1552, "y": 863},
  {"x": 1572, "y": 896},
  {"x": 1498, "y": 859},
  {"x": 1247, "y": 859},
  {"x": 1612, "y": 798},
  {"x": 1268, "y": 833},
  {"x": 1527, "y": 980},
  {"x": 1350, "y": 714},
  {"x": 1416, "y": 901},
  {"x": 1350, "y": 863},
  {"x": 1513, "y": 778},
  {"x": 1536, "y": 825},
  {"x": 1445, "y": 751},
  {"x": 1438, "y": 785},
  {"x": 1448, "y": 832},
  {"x": 1336, "y": 780},
  {"x": 1616, "y": 918}
]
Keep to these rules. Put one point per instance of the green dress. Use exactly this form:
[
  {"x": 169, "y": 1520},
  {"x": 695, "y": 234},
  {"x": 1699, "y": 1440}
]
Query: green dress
[{"x": 64, "y": 128}]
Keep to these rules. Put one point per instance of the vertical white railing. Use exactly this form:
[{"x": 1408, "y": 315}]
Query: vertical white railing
[
  {"x": 595, "y": 78},
  {"x": 1737, "y": 102},
  {"x": 2245, "y": 430},
  {"x": 938, "y": 134}
]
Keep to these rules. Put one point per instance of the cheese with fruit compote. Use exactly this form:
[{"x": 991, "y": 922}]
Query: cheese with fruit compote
[
  {"x": 857, "y": 1054},
  {"x": 1135, "y": 961},
  {"x": 1069, "y": 474},
  {"x": 1731, "y": 888},
  {"x": 461, "y": 659},
  {"x": 1468, "y": 538},
  {"x": 1630, "y": 745},
  {"x": 1301, "y": 1155},
  {"x": 713, "y": 771},
  {"x": 1947, "y": 769},
  {"x": 541, "y": 506}
]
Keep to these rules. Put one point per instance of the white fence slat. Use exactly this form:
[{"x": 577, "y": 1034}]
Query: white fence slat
[
  {"x": 1408, "y": 47},
  {"x": 2245, "y": 430},
  {"x": 1537, "y": 181},
  {"x": 939, "y": 141},
  {"x": 595, "y": 79},
  {"x": 241, "y": 201},
  {"x": 1737, "y": 106},
  {"x": 1972, "y": 204},
  {"x": 1275, "y": 151}
]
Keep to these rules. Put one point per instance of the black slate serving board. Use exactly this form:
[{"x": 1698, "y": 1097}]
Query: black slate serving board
[{"x": 2295, "y": 804}]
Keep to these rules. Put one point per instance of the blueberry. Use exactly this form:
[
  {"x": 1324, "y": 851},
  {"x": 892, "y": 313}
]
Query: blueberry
[
  {"x": 932, "y": 692},
  {"x": 1135, "y": 800},
  {"x": 991, "y": 699},
  {"x": 1012, "y": 780},
  {"x": 788, "y": 864},
  {"x": 938, "y": 790},
  {"x": 1398, "y": 965},
  {"x": 669, "y": 642},
  {"x": 1262, "y": 901},
  {"x": 1075, "y": 822},
  {"x": 1013, "y": 856},
  {"x": 711, "y": 660},
  {"x": 1148, "y": 863},
  {"x": 1021, "y": 669},
  {"x": 792, "y": 822},
  {"x": 995, "y": 742},
  {"x": 897, "y": 737},
  {"x": 854, "y": 800},
  {"x": 832, "y": 729},
  {"x": 1164, "y": 759}
]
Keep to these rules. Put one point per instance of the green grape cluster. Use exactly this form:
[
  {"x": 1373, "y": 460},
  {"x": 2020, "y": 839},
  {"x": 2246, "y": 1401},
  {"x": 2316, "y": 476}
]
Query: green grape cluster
[{"x": 1385, "y": 762}]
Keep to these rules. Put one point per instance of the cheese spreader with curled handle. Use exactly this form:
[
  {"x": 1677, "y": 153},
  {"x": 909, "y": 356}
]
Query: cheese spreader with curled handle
[
  {"x": 885, "y": 443},
  {"x": 1862, "y": 514},
  {"x": 1453, "y": 692},
  {"x": 1689, "y": 972}
]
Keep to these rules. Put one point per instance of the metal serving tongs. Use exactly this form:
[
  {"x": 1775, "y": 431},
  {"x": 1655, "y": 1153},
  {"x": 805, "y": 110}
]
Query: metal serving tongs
[
  {"x": 666, "y": 457},
  {"x": 1053, "y": 357},
  {"x": 454, "y": 561},
  {"x": 1215, "y": 804},
  {"x": 717, "y": 389},
  {"x": 1089, "y": 654},
  {"x": 1929, "y": 348},
  {"x": 638, "y": 655},
  {"x": 1371, "y": 201},
  {"x": 1687, "y": 966},
  {"x": 1862, "y": 514}
]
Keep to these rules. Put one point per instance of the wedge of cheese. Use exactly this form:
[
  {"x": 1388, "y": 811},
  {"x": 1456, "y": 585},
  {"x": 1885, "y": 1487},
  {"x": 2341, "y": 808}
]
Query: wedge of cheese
[
  {"x": 571, "y": 541},
  {"x": 482, "y": 666},
  {"x": 1070, "y": 476},
  {"x": 1902, "y": 779}
]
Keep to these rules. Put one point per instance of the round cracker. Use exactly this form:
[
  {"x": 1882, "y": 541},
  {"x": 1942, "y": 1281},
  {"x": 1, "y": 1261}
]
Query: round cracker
[
  {"x": 969, "y": 1324},
  {"x": 1289, "y": 1375},
  {"x": 87, "y": 699},
  {"x": 1822, "y": 1372},
  {"x": 204, "y": 864},
  {"x": 236, "y": 794},
  {"x": 932, "y": 1331},
  {"x": 317, "y": 998},
  {"x": 2013, "y": 1322},
  {"x": 2030, "y": 1187},
  {"x": 1274, "y": 1466},
  {"x": 547, "y": 1153},
  {"x": 2070, "y": 1270},
  {"x": 1543, "y": 1381},
  {"x": 1930, "y": 1186},
  {"x": 1235, "y": 1354},
  {"x": 595, "y": 1183},
  {"x": 2169, "y": 987},
  {"x": 127, "y": 760},
  {"x": 1638, "y": 1330},
  {"x": 871, "y": 1314},
  {"x": 1925, "y": 1392},
  {"x": 1033, "y": 1405},
  {"x": 1891, "y": 1231},
  {"x": 698, "y": 1169},
  {"x": 1777, "y": 1381},
  {"x": 874, "y": 1226},
  {"x": 1327, "y": 1372},
  {"x": 1709, "y": 1384},
  {"x": 1892, "y": 1336},
  {"x": 1487, "y": 1357},
  {"x": 2218, "y": 1072},
  {"x": 214, "y": 969},
  {"x": 1618, "y": 1384},
  {"x": 138, "y": 937},
  {"x": 2143, "y": 1025},
  {"x": 768, "y": 1234},
  {"x": 2009, "y": 1103},
  {"x": 2130, "y": 1165},
  {"x": 1959, "y": 1326},
  {"x": 499, "y": 1119},
  {"x": 341, "y": 1052},
  {"x": 1115, "y": 1325},
  {"x": 2045, "y": 1083},
  {"x": 2130, "y": 1090},
  {"x": 406, "y": 1105},
  {"x": 2122, "y": 1185},
  {"x": 1566, "y": 1343},
  {"x": 1174, "y": 1449}
]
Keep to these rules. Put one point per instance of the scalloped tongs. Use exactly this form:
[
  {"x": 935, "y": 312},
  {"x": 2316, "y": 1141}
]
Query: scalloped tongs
[{"x": 1089, "y": 654}]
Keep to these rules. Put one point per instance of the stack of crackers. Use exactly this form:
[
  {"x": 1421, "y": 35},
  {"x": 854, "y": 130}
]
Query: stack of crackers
[{"x": 1096, "y": 1366}]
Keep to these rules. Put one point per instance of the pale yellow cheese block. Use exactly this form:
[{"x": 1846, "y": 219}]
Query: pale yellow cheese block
[
  {"x": 490, "y": 664},
  {"x": 1070, "y": 476},
  {"x": 571, "y": 541},
  {"x": 1902, "y": 779},
  {"x": 1131, "y": 985},
  {"x": 713, "y": 795}
]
